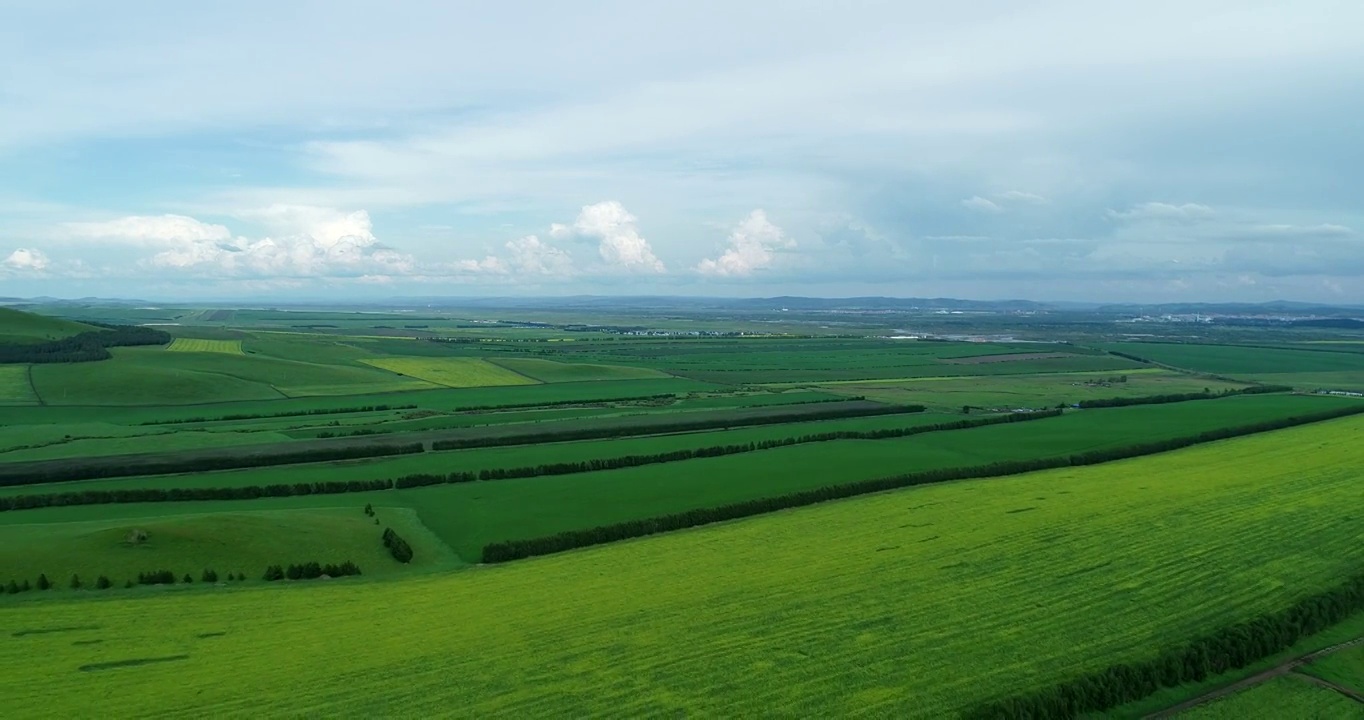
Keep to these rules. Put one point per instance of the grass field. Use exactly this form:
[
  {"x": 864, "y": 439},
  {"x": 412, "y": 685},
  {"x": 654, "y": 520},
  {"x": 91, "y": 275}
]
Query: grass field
[
  {"x": 1045, "y": 390},
  {"x": 890, "y": 605},
  {"x": 227, "y": 542},
  {"x": 14, "y": 386},
  {"x": 552, "y": 372},
  {"x": 1245, "y": 361},
  {"x": 452, "y": 372},
  {"x": 1285, "y": 697},
  {"x": 229, "y": 347},
  {"x": 1345, "y": 668},
  {"x": 24, "y": 327}
]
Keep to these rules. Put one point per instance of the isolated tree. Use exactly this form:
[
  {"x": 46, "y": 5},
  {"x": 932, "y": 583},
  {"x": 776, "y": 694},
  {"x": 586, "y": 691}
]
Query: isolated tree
[
  {"x": 210, "y": 575},
  {"x": 188, "y": 579},
  {"x": 103, "y": 583},
  {"x": 75, "y": 582},
  {"x": 44, "y": 583}
]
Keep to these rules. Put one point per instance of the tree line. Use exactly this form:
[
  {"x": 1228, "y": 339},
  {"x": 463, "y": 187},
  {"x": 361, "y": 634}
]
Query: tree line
[
  {"x": 1182, "y": 397},
  {"x": 415, "y": 480},
  {"x": 150, "y": 577},
  {"x": 49, "y": 471},
  {"x": 286, "y": 413},
  {"x": 1230, "y": 648},
  {"x": 88, "y": 346},
  {"x": 517, "y": 549},
  {"x": 672, "y": 427},
  {"x": 310, "y": 571}
]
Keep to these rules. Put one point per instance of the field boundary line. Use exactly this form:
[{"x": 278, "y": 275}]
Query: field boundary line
[
  {"x": 1286, "y": 668},
  {"x": 28, "y": 374}
]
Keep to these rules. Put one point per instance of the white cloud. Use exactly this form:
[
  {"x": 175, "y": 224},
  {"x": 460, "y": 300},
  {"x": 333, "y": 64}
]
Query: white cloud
[
  {"x": 751, "y": 247},
  {"x": 490, "y": 265},
  {"x": 1158, "y": 211},
  {"x": 615, "y": 229},
  {"x": 980, "y": 204},
  {"x": 1019, "y": 196},
  {"x": 533, "y": 256},
  {"x": 1278, "y": 230},
  {"x": 27, "y": 259},
  {"x": 150, "y": 230}
]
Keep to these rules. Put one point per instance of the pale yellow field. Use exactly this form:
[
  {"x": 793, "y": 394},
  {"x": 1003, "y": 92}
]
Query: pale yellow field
[
  {"x": 451, "y": 372},
  {"x": 227, "y": 347},
  {"x": 14, "y": 386},
  {"x": 909, "y": 604}
]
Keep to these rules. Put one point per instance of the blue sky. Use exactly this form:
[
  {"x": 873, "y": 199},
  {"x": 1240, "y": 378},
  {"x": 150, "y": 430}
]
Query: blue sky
[{"x": 1053, "y": 149}]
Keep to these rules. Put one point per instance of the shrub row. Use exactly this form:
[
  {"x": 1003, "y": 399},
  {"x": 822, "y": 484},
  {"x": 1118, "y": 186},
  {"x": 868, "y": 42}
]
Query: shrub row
[
  {"x": 83, "y": 347},
  {"x": 1230, "y": 648},
  {"x": 140, "y": 495},
  {"x": 310, "y": 571},
  {"x": 49, "y": 471},
  {"x": 1181, "y": 397},
  {"x": 153, "y": 577},
  {"x": 679, "y": 426},
  {"x": 517, "y": 549},
  {"x": 287, "y": 413},
  {"x": 397, "y": 547}
]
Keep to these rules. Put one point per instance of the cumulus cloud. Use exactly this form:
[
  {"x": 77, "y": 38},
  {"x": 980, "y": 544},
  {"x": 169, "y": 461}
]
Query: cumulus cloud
[
  {"x": 150, "y": 230},
  {"x": 533, "y": 256},
  {"x": 306, "y": 241},
  {"x": 752, "y": 246},
  {"x": 980, "y": 204},
  {"x": 27, "y": 259},
  {"x": 617, "y": 234},
  {"x": 490, "y": 265},
  {"x": 1158, "y": 211}
]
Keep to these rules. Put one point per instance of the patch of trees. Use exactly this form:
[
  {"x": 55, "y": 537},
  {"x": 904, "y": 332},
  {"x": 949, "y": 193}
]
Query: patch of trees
[
  {"x": 88, "y": 346},
  {"x": 140, "y": 495},
  {"x": 287, "y": 413},
  {"x": 310, "y": 571},
  {"x": 397, "y": 547},
  {"x": 50, "y": 471},
  {"x": 1182, "y": 397},
  {"x": 679, "y": 426},
  {"x": 1230, "y": 648},
  {"x": 517, "y": 549}
]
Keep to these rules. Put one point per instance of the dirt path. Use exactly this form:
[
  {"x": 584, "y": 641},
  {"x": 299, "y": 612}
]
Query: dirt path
[
  {"x": 1274, "y": 672},
  {"x": 1347, "y": 692}
]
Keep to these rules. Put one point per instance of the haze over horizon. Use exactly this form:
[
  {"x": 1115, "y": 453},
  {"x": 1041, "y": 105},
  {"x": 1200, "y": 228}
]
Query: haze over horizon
[{"x": 1053, "y": 150}]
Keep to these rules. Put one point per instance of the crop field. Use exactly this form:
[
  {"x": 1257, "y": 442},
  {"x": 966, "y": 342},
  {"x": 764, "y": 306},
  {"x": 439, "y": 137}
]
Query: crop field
[
  {"x": 14, "y": 386},
  {"x": 228, "y": 542},
  {"x": 1245, "y": 361},
  {"x": 1345, "y": 668},
  {"x": 229, "y": 347},
  {"x": 1285, "y": 697},
  {"x": 1046, "y": 390},
  {"x": 452, "y": 372},
  {"x": 550, "y": 371},
  {"x": 884, "y": 605}
]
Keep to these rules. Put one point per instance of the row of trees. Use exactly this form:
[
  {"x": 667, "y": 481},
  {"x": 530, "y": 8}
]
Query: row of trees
[
  {"x": 50, "y": 471},
  {"x": 678, "y": 426},
  {"x": 141, "y": 495},
  {"x": 286, "y": 413},
  {"x": 1229, "y": 648},
  {"x": 397, "y": 547},
  {"x": 310, "y": 571},
  {"x": 517, "y": 549},
  {"x": 153, "y": 577},
  {"x": 1182, "y": 397},
  {"x": 83, "y": 347}
]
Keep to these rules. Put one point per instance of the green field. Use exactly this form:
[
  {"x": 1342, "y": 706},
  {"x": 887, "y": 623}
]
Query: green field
[
  {"x": 452, "y": 372},
  {"x": 1285, "y": 697},
  {"x": 1245, "y": 361},
  {"x": 1344, "y": 668},
  {"x": 228, "y": 542},
  {"x": 229, "y": 347},
  {"x": 24, "y": 327},
  {"x": 551, "y": 372},
  {"x": 1047, "y": 390},
  {"x": 14, "y": 386},
  {"x": 888, "y": 605}
]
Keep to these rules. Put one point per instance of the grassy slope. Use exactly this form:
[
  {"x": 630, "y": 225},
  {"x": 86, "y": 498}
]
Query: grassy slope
[
  {"x": 19, "y": 326},
  {"x": 14, "y": 386},
  {"x": 1285, "y": 698},
  {"x": 228, "y": 542},
  {"x": 888, "y": 605}
]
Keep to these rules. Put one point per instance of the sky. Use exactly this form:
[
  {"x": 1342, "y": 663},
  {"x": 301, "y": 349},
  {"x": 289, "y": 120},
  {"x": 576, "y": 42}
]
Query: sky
[{"x": 1050, "y": 149}]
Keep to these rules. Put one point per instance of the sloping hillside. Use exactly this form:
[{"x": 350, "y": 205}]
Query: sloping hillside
[{"x": 18, "y": 326}]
